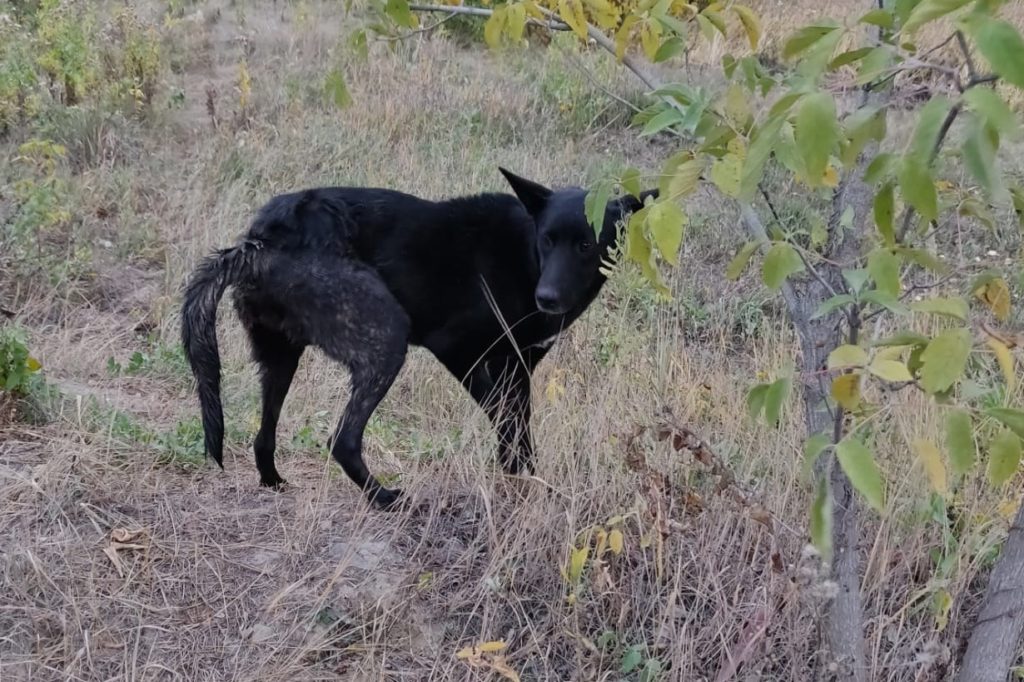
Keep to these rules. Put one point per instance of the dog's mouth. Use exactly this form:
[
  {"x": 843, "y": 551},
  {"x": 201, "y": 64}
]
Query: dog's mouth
[{"x": 549, "y": 308}]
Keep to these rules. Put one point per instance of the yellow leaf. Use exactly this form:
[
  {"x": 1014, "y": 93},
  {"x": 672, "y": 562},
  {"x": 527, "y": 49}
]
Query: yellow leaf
[
  {"x": 494, "y": 27},
  {"x": 577, "y": 560},
  {"x": 602, "y": 542},
  {"x": 890, "y": 370},
  {"x": 623, "y": 35},
  {"x": 650, "y": 37},
  {"x": 943, "y": 603},
  {"x": 490, "y": 647},
  {"x": 847, "y": 356},
  {"x": 572, "y": 13},
  {"x": 751, "y": 24},
  {"x": 996, "y": 295},
  {"x": 931, "y": 460},
  {"x": 555, "y": 388},
  {"x": 830, "y": 178},
  {"x": 531, "y": 8},
  {"x": 846, "y": 390},
  {"x": 604, "y": 13},
  {"x": 1008, "y": 508},
  {"x": 33, "y": 365},
  {"x": 615, "y": 541},
  {"x": 1005, "y": 362}
]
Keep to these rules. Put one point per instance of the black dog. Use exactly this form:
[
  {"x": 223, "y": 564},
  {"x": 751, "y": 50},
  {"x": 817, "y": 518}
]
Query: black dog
[{"x": 485, "y": 282}]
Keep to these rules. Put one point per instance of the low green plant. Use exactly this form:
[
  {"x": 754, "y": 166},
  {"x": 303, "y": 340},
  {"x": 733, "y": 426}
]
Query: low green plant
[{"x": 19, "y": 371}]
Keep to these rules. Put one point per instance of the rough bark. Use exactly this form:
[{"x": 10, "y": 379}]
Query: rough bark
[{"x": 995, "y": 640}]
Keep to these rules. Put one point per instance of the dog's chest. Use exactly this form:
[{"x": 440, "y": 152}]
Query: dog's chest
[{"x": 544, "y": 344}]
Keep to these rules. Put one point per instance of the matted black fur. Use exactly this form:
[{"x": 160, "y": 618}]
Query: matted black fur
[{"x": 484, "y": 282}]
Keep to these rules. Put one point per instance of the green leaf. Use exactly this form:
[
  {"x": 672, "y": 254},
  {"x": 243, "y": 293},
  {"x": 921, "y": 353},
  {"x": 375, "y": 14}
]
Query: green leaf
[
  {"x": 726, "y": 173},
  {"x": 848, "y": 57},
  {"x": 880, "y": 168},
  {"x": 979, "y": 156},
  {"x": 949, "y": 307},
  {"x": 859, "y": 465},
  {"x": 596, "y": 203},
  {"x": 995, "y": 112},
  {"x": 665, "y": 119},
  {"x": 398, "y": 11},
  {"x": 816, "y": 133},
  {"x": 821, "y": 520},
  {"x": 944, "y": 360},
  {"x": 882, "y": 18},
  {"x": 856, "y": 278},
  {"x": 668, "y": 49},
  {"x": 751, "y": 24},
  {"x": 861, "y": 127},
  {"x": 876, "y": 62},
  {"x": 929, "y": 10},
  {"x": 890, "y": 370},
  {"x": 884, "y": 268},
  {"x": 776, "y": 395},
  {"x": 780, "y": 262},
  {"x": 813, "y": 447},
  {"x": 847, "y": 356},
  {"x": 630, "y": 182},
  {"x": 885, "y": 210},
  {"x": 885, "y": 300},
  {"x": 929, "y": 123},
  {"x": 918, "y": 188},
  {"x": 755, "y": 399},
  {"x": 923, "y": 258},
  {"x": 831, "y": 304},
  {"x": 1000, "y": 44},
  {"x": 739, "y": 263},
  {"x": 960, "y": 441},
  {"x": 1014, "y": 419},
  {"x": 336, "y": 90},
  {"x": 631, "y": 660},
  {"x": 760, "y": 149},
  {"x": 680, "y": 175},
  {"x": 1003, "y": 457},
  {"x": 665, "y": 222},
  {"x": 902, "y": 8},
  {"x": 805, "y": 38},
  {"x": 903, "y": 339}
]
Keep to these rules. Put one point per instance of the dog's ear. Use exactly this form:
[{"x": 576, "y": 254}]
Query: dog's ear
[
  {"x": 630, "y": 204},
  {"x": 533, "y": 195}
]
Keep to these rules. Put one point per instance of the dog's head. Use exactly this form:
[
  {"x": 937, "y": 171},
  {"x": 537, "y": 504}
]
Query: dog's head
[{"x": 569, "y": 252}]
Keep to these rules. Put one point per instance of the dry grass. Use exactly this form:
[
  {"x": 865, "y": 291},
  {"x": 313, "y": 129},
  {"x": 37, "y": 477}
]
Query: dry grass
[{"x": 222, "y": 580}]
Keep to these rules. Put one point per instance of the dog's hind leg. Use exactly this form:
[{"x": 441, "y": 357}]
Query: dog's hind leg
[
  {"x": 360, "y": 324},
  {"x": 278, "y": 359}
]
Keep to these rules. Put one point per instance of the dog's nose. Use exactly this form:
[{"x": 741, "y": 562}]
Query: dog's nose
[{"x": 547, "y": 300}]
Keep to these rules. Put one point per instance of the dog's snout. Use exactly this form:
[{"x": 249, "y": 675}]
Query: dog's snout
[{"x": 547, "y": 300}]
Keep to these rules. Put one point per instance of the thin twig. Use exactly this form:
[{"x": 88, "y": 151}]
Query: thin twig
[
  {"x": 596, "y": 83},
  {"x": 425, "y": 29},
  {"x": 554, "y": 24},
  {"x": 972, "y": 72}
]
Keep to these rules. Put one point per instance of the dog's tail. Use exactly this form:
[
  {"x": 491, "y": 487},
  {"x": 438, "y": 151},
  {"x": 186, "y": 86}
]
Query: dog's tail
[{"x": 199, "y": 332}]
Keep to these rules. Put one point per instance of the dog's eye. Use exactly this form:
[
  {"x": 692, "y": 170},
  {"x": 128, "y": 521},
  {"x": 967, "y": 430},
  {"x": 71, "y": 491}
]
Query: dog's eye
[{"x": 585, "y": 246}]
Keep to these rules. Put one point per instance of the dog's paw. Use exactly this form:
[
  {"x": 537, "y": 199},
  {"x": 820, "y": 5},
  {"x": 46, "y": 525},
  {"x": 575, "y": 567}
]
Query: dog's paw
[
  {"x": 387, "y": 499},
  {"x": 274, "y": 482}
]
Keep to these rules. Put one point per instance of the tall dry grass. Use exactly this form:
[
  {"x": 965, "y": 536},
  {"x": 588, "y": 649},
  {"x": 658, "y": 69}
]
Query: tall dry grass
[{"x": 125, "y": 558}]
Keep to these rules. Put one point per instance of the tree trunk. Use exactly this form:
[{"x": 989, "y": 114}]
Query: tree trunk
[
  {"x": 995, "y": 640},
  {"x": 844, "y": 621}
]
